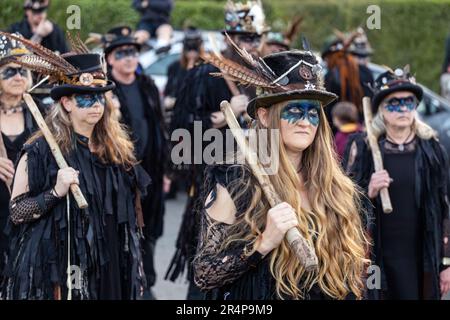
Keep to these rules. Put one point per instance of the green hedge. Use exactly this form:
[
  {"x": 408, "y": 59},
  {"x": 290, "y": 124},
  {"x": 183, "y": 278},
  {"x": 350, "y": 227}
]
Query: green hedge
[{"x": 412, "y": 31}]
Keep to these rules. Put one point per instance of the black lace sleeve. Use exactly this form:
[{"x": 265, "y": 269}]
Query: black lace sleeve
[
  {"x": 214, "y": 268},
  {"x": 25, "y": 209}
]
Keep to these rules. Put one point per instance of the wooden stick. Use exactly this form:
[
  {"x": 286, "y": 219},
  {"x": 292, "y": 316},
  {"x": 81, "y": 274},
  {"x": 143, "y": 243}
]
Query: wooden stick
[
  {"x": 305, "y": 253},
  {"x": 56, "y": 151},
  {"x": 376, "y": 154}
]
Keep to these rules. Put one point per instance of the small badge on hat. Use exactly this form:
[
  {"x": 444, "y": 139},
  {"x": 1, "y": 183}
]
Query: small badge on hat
[
  {"x": 86, "y": 79},
  {"x": 310, "y": 86},
  {"x": 305, "y": 73},
  {"x": 125, "y": 32}
]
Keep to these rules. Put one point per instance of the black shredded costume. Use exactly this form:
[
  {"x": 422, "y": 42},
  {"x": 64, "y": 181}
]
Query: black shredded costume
[
  {"x": 13, "y": 146},
  {"x": 104, "y": 238},
  {"x": 233, "y": 274},
  {"x": 197, "y": 99},
  {"x": 141, "y": 112},
  {"x": 200, "y": 96},
  {"x": 408, "y": 241}
]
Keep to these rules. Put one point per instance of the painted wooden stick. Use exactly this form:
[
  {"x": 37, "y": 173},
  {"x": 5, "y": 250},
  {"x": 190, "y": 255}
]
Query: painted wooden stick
[
  {"x": 376, "y": 154},
  {"x": 305, "y": 253},
  {"x": 56, "y": 151}
]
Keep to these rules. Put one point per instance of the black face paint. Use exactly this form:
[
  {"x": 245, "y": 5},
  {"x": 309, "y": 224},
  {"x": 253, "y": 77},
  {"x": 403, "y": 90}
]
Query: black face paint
[
  {"x": 88, "y": 100},
  {"x": 123, "y": 53},
  {"x": 10, "y": 72},
  {"x": 300, "y": 110}
]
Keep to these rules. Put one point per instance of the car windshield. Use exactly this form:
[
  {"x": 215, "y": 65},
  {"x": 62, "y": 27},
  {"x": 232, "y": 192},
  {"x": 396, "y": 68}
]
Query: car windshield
[{"x": 160, "y": 66}]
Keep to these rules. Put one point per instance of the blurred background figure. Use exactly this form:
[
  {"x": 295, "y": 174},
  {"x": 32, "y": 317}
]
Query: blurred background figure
[
  {"x": 140, "y": 110},
  {"x": 360, "y": 47},
  {"x": 346, "y": 77},
  {"x": 346, "y": 121},
  {"x": 38, "y": 28},
  {"x": 277, "y": 42},
  {"x": 16, "y": 126},
  {"x": 154, "y": 22},
  {"x": 190, "y": 56}
]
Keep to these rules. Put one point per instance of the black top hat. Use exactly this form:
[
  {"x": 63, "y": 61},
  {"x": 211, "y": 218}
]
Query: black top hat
[
  {"x": 245, "y": 18},
  {"x": 36, "y": 4},
  {"x": 278, "y": 39},
  {"x": 332, "y": 44},
  {"x": 117, "y": 37},
  {"x": 392, "y": 81},
  {"x": 192, "y": 39},
  {"x": 10, "y": 48},
  {"x": 360, "y": 45},
  {"x": 299, "y": 73},
  {"x": 89, "y": 78}
]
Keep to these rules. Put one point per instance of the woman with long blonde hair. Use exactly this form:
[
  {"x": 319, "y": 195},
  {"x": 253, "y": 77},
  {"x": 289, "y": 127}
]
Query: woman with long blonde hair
[
  {"x": 242, "y": 252},
  {"x": 58, "y": 250},
  {"x": 410, "y": 243}
]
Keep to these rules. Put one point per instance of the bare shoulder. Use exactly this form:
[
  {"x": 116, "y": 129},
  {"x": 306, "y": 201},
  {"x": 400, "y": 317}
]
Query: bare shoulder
[{"x": 220, "y": 206}]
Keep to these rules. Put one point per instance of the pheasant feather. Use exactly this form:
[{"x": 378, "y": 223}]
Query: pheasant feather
[{"x": 44, "y": 53}]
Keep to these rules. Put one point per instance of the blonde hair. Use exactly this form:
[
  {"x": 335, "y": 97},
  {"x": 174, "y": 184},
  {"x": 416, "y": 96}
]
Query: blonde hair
[
  {"x": 420, "y": 128},
  {"x": 334, "y": 225},
  {"x": 110, "y": 138}
]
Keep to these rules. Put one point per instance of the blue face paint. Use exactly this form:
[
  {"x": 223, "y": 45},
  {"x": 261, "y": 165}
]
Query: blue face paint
[
  {"x": 88, "y": 100},
  {"x": 395, "y": 104},
  {"x": 300, "y": 110}
]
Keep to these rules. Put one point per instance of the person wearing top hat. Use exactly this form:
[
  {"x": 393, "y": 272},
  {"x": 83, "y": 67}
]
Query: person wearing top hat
[
  {"x": 38, "y": 28},
  {"x": 410, "y": 243},
  {"x": 242, "y": 254},
  {"x": 51, "y": 238},
  {"x": 141, "y": 112},
  {"x": 199, "y": 99},
  {"x": 275, "y": 42},
  {"x": 360, "y": 47},
  {"x": 16, "y": 124},
  {"x": 346, "y": 76},
  {"x": 189, "y": 58}
]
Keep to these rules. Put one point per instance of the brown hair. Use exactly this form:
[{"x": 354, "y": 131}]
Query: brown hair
[{"x": 346, "y": 112}]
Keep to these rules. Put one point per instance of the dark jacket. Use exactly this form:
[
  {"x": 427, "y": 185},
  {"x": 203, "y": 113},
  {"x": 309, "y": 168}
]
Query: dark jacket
[
  {"x": 55, "y": 41},
  {"x": 156, "y": 153},
  {"x": 156, "y": 11}
]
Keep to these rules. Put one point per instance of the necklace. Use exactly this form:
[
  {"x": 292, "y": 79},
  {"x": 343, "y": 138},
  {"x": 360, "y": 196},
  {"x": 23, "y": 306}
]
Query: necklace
[
  {"x": 12, "y": 110},
  {"x": 401, "y": 146}
]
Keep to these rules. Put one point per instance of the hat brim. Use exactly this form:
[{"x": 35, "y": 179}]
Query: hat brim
[
  {"x": 268, "y": 100},
  {"x": 407, "y": 86},
  {"x": 232, "y": 32},
  {"x": 119, "y": 43},
  {"x": 278, "y": 43},
  {"x": 68, "y": 90}
]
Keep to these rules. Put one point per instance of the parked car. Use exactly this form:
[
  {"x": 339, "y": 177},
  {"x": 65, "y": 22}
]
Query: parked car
[{"x": 156, "y": 64}]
